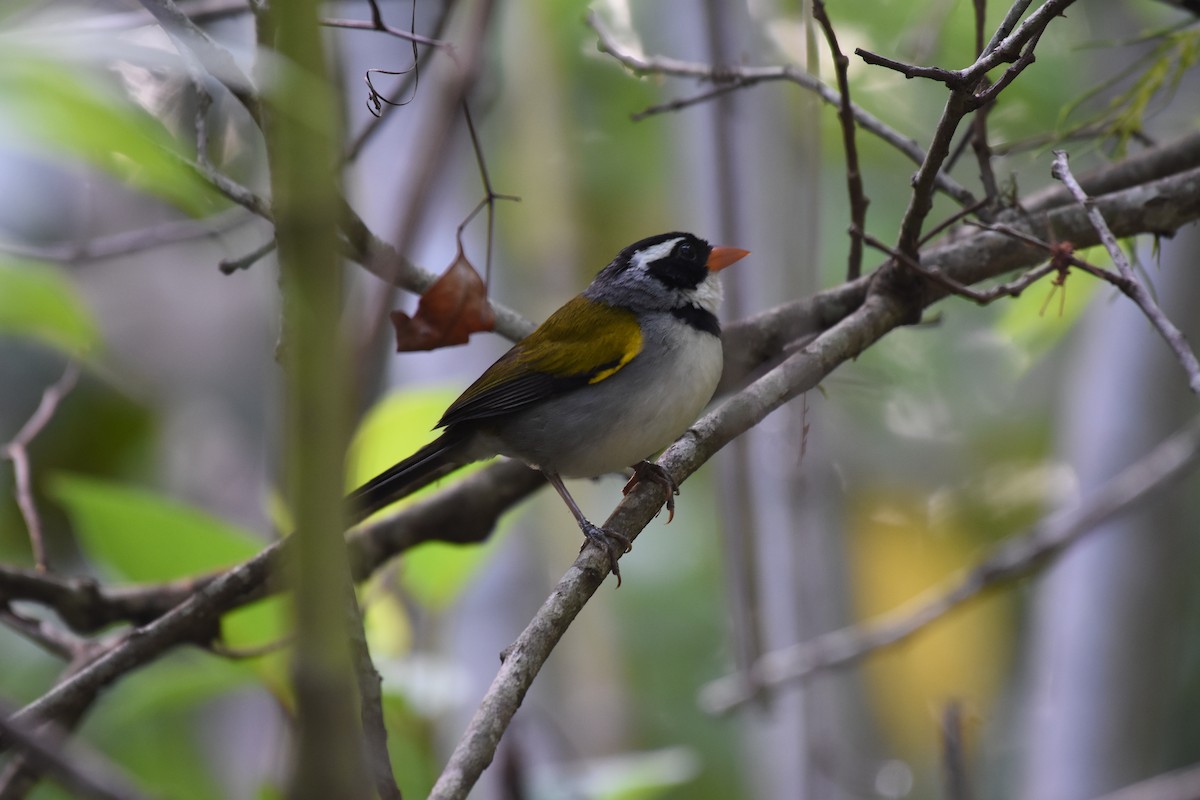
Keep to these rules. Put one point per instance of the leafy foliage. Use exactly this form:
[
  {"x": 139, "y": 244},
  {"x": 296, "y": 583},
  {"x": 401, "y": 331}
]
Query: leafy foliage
[
  {"x": 55, "y": 110},
  {"x": 39, "y": 301}
]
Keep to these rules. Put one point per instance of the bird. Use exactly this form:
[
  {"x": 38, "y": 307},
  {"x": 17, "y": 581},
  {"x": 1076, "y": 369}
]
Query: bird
[{"x": 608, "y": 380}]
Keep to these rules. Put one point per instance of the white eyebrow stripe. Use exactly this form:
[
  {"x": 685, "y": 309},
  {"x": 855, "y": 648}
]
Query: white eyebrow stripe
[{"x": 651, "y": 254}]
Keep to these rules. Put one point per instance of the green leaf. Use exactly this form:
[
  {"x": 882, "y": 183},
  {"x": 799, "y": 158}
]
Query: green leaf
[
  {"x": 262, "y": 623},
  {"x": 396, "y": 426},
  {"x": 39, "y": 301},
  {"x": 49, "y": 108},
  {"x": 144, "y": 537},
  {"x": 436, "y": 573},
  {"x": 393, "y": 429},
  {"x": 150, "y": 723}
]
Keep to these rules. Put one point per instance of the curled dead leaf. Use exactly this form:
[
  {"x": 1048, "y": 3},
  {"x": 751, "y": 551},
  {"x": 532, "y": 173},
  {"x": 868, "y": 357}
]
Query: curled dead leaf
[{"x": 453, "y": 308}]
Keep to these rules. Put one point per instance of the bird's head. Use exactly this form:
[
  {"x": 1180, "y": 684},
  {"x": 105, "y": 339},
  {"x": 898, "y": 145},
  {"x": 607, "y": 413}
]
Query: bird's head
[{"x": 666, "y": 272}]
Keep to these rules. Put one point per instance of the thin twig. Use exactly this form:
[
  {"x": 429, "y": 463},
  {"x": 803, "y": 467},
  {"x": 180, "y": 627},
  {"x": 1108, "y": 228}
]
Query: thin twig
[
  {"x": 854, "y": 184},
  {"x": 979, "y": 128},
  {"x": 457, "y": 509},
  {"x": 524, "y": 659},
  {"x": 433, "y": 152},
  {"x": 1005, "y": 28},
  {"x": 134, "y": 241},
  {"x": 17, "y": 451},
  {"x": 963, "y": 99},
  {"x": 954, "y": 753},
  {"x": 1014, "y": 558},
  {"x": 740, "y": 76},
  {"x": 1134, "y": 288},
  {"x": 83, "y": 771},
  {"x": 376, "y": 102},
  {"x": 231, "y": 189},
  {"x": 466, "y": 510},
  {"x": 952, "y": 78},
  {"x": 228, "y": 266},
  {"x": 958, "y": 216},
  {"x": 370, "y": 692},
  {"x": 193, "y": 619},
  {"x": 50, "y": 638},
  {"x": 1009, "y": 289},
  {"x": 214, "y": 59},
  {"x": 393, "y": 101},
  {"x": 680, "y": 103},
  {"x": 380, "y": 26}
]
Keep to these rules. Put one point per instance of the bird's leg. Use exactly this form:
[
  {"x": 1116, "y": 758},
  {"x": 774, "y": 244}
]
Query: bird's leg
[
  {"x": 612, "y": 542},
  {"x": 648, "y": 471}
]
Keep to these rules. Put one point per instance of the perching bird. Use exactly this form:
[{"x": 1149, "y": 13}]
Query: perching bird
[{"x": 611, "y": 378}]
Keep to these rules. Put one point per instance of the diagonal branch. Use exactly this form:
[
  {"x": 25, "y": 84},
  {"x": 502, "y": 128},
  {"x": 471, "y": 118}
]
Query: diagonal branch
[
  {"x": 1133, "y": 288},
  {"x": 524, "y": 659},
  {"x": 79, "y": 769},
  {"x": 466, "y": 510},
  {"x": 469, "y": 508},
  {"x": 879, "y": 313},
  {"x": 1173, "y": 458},
  {"x": 215, "y": 59}
]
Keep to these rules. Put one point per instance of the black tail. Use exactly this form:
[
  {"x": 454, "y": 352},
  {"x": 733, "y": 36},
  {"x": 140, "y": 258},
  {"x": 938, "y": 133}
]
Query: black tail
[{"x": 435, "y": 460}]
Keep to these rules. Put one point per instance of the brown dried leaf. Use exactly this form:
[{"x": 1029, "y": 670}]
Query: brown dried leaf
[{"x": 453, "y": 308}]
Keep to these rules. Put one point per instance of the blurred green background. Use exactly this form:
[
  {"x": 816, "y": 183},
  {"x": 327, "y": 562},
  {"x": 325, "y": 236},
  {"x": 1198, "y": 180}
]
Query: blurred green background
[{"x": 905, "y": 467}]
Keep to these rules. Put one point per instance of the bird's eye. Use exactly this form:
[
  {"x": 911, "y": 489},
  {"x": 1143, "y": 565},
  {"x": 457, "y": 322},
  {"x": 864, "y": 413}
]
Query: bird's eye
[{"x": 687, "y": 251}]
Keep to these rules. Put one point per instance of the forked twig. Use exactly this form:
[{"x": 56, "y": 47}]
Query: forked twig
[{"x": 17, "y": 451}]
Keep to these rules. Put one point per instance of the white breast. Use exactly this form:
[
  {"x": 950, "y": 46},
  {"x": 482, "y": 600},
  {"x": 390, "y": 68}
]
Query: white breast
[{"x": 640, "y": 410}]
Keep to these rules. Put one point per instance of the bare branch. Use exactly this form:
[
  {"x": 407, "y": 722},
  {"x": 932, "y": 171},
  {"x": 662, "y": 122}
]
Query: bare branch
[
  {"x": 739, "y": 76},
  {"x": 979, "y": 128},
  {"x": 956, "y": 784},
  {"x": 1014, "y": 558},
  {"x": 194, "y": 619},
  {"x": 216, "y": 60},
  {"x": 49, "y": 637},
  {"x": 1156, "y": 162},
  {"x": 952, "y": 78},
  {"x": 81, "y": 770},
  {"x": 467, "y": 509},
  {"x": 1182, "y": 784},
  {"x": 1009, "y": 289},
  {"x": 1133, "y": 288},
  {"x": 524, "y": 659},
  {"x": 17, "y": 452},
  {"x": 879, "y": 313},
  {"x": 382, "y": 27},
  {"x": 854, "y": 184},
  {"x": 392, "y": 101},
  {"x": 231, "y": 265},
  {"x": 963, "y": 100},
  {"x": 126, "y": 242},
  {"x": 370, "y": 692}
]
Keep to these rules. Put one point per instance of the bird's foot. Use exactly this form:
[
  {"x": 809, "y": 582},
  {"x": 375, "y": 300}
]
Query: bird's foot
[
  {"x": 611, "y": 542},
  {"x": 649, "y": 471}
]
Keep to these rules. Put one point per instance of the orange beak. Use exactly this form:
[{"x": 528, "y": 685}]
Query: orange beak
[{"x": 722, "y": 257}]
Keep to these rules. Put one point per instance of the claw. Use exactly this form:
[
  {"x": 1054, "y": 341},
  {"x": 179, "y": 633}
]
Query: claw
[
  {"x": 647, "y": 471},
  {"x": 613, "y": 543}
]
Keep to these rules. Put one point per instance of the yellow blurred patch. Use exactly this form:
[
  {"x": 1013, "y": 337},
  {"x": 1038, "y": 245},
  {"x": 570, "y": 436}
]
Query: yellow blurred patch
[{"x": 900, "y": 548}]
